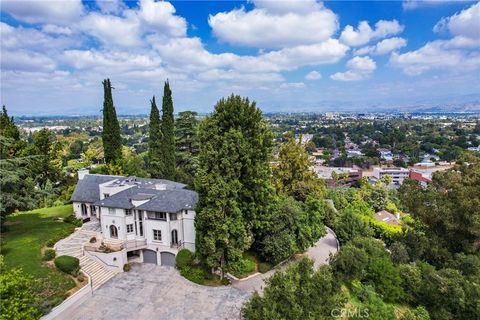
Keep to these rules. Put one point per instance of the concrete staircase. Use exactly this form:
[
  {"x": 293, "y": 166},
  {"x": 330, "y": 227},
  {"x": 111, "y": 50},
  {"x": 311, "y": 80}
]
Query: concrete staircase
[
  {"x": 98, "y": 271},
  {"x": 73, "y": 246}
]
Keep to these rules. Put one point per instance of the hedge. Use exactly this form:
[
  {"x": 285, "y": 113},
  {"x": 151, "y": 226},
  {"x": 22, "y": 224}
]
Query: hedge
[{"x": 68, "y": 264}]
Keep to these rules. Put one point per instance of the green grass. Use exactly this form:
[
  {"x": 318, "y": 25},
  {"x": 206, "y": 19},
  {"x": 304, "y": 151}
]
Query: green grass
[{"x": 26, "y": 234}]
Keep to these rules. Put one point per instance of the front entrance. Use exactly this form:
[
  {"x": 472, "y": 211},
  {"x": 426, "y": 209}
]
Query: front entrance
[
  {"x": 168, "y": 259},
  {"x": 113, "y": 232},
  {"x": 149, "y": 256}
]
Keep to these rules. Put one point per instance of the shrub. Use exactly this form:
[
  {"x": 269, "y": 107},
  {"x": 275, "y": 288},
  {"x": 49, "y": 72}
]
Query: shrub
[
  {"x": 49, "y": 255},
  {"x": 193, "y": 274},
  {"x": 126, "y": 267},
  {"x": 51, "y": 242},
  {"x": 264, "y": 267},
  {"x": 68, "y": 264},
  {"x": 244, "y": 268},
  {"x": 184, "y": 258}
]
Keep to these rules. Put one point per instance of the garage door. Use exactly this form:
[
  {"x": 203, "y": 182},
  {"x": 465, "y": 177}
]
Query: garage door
[
  {"x": 168, "y": 259},
  {"x": 149, "y": 256}
]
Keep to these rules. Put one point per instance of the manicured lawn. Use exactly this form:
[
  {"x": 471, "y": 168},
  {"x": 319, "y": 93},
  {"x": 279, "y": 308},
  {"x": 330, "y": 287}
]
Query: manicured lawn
[{"x": 26, "y": 234}]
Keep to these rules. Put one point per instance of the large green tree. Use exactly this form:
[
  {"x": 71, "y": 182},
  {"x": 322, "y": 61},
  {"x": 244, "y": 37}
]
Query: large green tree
[
  {"x": 168, "y": 135},
  {"x": 292, "y": 174},
  {"x": 154, "y": 142},
  {"x": 186, "y": 139},
  {"x": 111, "y": 138},
  {"x": 233, "y": 180},
  {"x": 9, "y": 130},
  {"x": 299, "y": 292}
]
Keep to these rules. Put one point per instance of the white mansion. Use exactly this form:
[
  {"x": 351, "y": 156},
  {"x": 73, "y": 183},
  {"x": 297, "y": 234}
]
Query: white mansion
[{"x": 148, "y": 220}]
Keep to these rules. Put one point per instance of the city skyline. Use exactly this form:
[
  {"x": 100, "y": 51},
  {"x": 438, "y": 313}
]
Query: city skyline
[{"x": 288, "y": 55}]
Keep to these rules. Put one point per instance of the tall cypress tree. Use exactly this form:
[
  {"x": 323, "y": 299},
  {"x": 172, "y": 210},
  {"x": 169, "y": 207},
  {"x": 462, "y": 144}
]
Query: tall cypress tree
[
  {"x": 168, "y": 135},
  {"x": 112, "y": 141},
  {"x": 154, "y": 142}
]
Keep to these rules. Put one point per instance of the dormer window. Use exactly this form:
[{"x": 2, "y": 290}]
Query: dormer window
[{"x": 106, "y": 195}]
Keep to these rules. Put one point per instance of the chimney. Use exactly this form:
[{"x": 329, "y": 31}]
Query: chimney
[{"x": 82, "y": 173}]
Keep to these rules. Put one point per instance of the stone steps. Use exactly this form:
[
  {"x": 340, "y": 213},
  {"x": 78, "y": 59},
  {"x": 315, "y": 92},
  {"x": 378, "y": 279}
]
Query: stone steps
[{"x": 98, "y": 273}]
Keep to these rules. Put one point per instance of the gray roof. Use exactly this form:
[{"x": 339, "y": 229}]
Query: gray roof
[
  {"x": 87, "y": 188},
  {"x": 171, "y": 201}
]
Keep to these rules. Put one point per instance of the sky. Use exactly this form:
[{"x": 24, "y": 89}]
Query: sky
[{"x": 288, "y": 56}]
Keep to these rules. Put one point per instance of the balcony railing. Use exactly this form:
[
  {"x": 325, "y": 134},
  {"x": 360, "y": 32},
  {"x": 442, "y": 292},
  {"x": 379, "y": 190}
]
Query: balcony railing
[
  {"x": 134, "y": 244},
  {"x": 177, "y": 245}
]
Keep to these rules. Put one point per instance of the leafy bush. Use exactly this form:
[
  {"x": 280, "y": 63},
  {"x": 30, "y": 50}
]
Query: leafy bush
[
  {"x": 126, "y": 267},
  {"x": 245, "y": 267},
  {"x": 51, "y": 242},
  {"x": 264, "y": 267},
  {"x": 68, "y": 264},
  {"x": 49, "y": 255},
  {"x": 193, "y": 274},
  {"x": 184, "y": 258},
  {"x": 73, "y": 220}
]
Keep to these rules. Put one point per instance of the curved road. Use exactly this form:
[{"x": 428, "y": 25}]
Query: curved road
[{"x": 320, "y": 254}]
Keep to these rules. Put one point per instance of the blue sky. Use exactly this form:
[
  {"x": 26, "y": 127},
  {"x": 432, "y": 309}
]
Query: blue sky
[{"x": 295, "y": 55}]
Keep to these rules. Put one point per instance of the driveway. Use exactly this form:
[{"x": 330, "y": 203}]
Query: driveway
[
  {"x": 149, "y": 291},
  {"x": 320, "y": 254}
]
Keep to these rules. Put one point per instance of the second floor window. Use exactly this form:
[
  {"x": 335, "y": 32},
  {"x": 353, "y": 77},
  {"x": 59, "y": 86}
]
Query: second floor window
[
  {"x": 111, "y": 211},
  {"x": 128, "y": 212},
  {"x": 157, "y": 235},
  {"x": 157, "y": 215}
]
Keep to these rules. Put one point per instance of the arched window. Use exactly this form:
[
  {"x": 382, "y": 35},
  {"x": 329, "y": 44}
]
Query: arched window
[
  {"x": 174, "y": 237},
  {"x": 113, "y": 231}
]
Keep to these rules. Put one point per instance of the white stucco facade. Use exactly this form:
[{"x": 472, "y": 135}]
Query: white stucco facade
[{"x": 143, "y": 231}]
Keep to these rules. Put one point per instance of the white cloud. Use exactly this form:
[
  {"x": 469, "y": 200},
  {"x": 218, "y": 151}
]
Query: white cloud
[
  {"x": 273, "y": 26},
  {"x": 458, "y": 54},
  {"x": 414, "y": 4},
  {"x": 313, "y": 75},
  {"x": 111, "y": 6},
  {"x": 53, "y": 29},
  {"x": 439, "y": 54},
  {"x": 32, "y": 39},
  {"x": 160, "y": 15},
  {"x": 48, "y": 11},
  {"x": 383, "y": 47},
  {"x": 112, "y": 30},
  {"x": 288, "y": 6},
  {"x": 465, "y": 23},
  {"x": 293, "y": 85},
  {"x": 359, "y": 68},
  {"x": 364, "y": 33},
  {"x": 25, "y": 61}
]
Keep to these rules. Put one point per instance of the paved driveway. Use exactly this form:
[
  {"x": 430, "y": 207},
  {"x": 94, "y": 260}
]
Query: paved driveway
[
  {"x": 320, "y": 254},
  {"x": 154, "y": 292}
]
